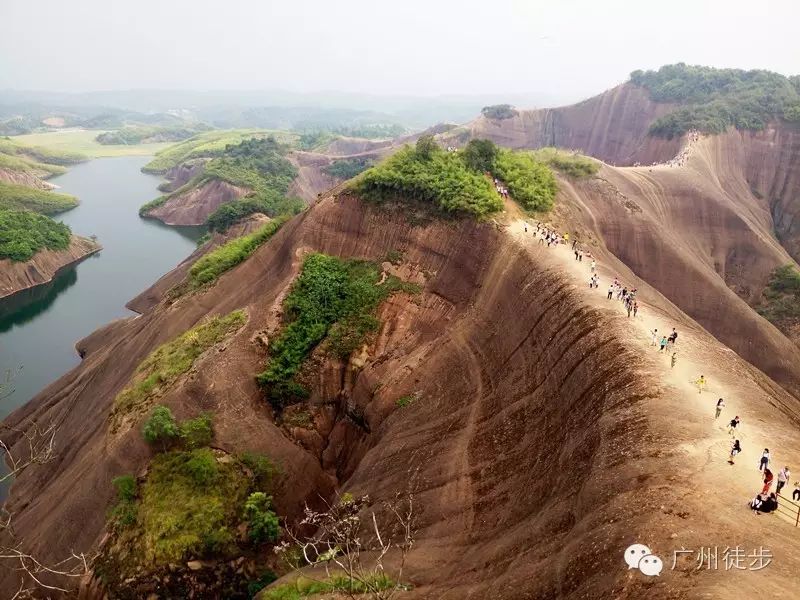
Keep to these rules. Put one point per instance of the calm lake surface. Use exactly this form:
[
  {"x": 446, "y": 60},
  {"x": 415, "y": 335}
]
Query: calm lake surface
[{"x": 39, "y": 327}]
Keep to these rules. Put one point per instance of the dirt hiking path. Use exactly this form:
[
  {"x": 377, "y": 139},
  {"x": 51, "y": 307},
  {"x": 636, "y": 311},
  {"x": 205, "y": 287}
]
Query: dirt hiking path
[{"x": 720, "y": 489}]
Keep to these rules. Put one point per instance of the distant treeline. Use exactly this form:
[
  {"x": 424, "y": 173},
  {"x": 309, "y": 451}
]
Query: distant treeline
[{"x": 714, "y": 99}]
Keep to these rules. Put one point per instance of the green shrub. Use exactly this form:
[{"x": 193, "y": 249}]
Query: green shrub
[
  {"x": 197, "y": 432},
  {"x": 256, "y": 585},
  {"x": 530, "y": 183},
  {"x": 233, "y": 212},
  {"x": 209, "y": 267},
  {"x": 123, "y": 514},
  {"x": 24, "y": 233},
  {"x": 780, "y": 302},
  {"x": 480, "y": 155},
  {"x": 499, "y": 111},
  {"x": 201, "y": 467},
  {"x": 347, "y": 168},
  {"x": 329, "y": 291},
  {"x": 161, "y": 428},
  {"x": 569, "y": 163},
  {"x": 162, "y": 367},
  {"x": 262, "y": 523},
  {"x": 21, "y": 197},
  {"x": 263, "y": 469},
  {"x": 141, "y": 134},
  {"x": 406, "y": 400},
  {"x": 715, "y": 99},
  {"x": 430, "y": 175}
]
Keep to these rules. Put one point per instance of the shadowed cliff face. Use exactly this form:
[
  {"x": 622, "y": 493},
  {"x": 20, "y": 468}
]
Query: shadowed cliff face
[{"x": 612, "y": 127}]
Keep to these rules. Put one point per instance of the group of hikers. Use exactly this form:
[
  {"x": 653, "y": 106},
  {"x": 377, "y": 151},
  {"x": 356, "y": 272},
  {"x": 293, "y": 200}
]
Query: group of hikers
[
  {"x": 766, "y": 500},
  {"x": 502, "y": 190}
]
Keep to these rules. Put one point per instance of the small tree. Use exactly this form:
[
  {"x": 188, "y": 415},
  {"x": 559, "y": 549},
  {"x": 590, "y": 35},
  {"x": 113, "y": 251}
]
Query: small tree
[
  {"x": 262, "y": 522},
  {"x": 161, "y": 428},
  {"x": 197, "y": 433},
  {"x": 480, "y": 155},
  {"x": 426, "y": 146},
  {"x": 123, "y": 514}
]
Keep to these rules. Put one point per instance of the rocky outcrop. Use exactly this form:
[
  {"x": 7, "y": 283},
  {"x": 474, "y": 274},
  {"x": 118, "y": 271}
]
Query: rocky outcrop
[
  {"x": 194, "y": 206},
  {"x": 17, "y": 276},
  {"x": 182, "y": 174}
]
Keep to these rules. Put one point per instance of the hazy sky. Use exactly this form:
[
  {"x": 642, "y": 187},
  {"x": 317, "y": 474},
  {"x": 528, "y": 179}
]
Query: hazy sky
[{"x": 418, "y": 47}]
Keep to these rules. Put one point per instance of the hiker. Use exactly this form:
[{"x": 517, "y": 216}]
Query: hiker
[
  {"x": 526, "y": 228},
  {"x": 610, "y": 291},
  {"x": 783, "y": 478},
  {"x": 629, "y": 309},
  {"x": 736, "y": 448},
  {"x": 654, "y": 340},
  {"x": 674, "y": 355},
  {"x": 621, "y": 294},
  {"x": 701, "y": 383},
  {"x": 796, "y": 492},
  {"x": 768, "y": 477},
  {"x": 764, "y": 462},
  {"x": 733, "y": 425},
  {"x": 720, "y": 406},
  {"x": 580, "y": 256},
  {"x": 763, "y": 503},
  {"x": 636, "y": 309},
  {"x": 673, "y": 337},
  {"x": 663, "y": 342},
  {"x": 593, "y": 265},
  {"x": 576, "y": 255}
]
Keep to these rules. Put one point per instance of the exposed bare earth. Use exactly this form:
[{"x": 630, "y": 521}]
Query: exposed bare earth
[
  {"x": 29, "y": 179},
  {"x": 194, "y": 206},
  {"x": 17, "y": 276}
]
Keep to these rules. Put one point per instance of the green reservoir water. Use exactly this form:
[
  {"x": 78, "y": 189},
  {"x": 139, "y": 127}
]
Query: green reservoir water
[{"x": 39, "y": 327}]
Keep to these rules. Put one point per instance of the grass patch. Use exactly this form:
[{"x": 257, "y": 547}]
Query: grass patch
[
  {"x": 569, "y": 163},
  {"x": 714, "y": 99},
  {"x": 303, "y": 587},
  {"x": 156, "y": 373},
  {"x": 22, "y": 197},
  {"x": 780, "y": 303},
  {"x": 22, "y": 164},
  {"x": 150, "y": 134},
  {"x": 407, "y": 400},
  {"x": 330, "y": 296},
  {"x": 24, "y": 233},
  {"x": 81, "y": 144},
  {"x": 190, "y": 506},
  {"x": 209, "y": 267}
]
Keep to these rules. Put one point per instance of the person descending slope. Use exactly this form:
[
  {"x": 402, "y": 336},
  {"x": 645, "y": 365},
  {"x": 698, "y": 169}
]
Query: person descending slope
[
  {"x": 654, "y": 338},
  {"x": 674, "y": 359},
  {"x": 701, "y": 384},
  {"x": 768, "y": 478},
  {"x": 610, "y": 292},
  {"x": 635, "y": 307},
  {"x": 720, "y": 406},
  {"x": 736, "y": 448},
  {"x": 663, "y": 343},
  {"x": 764, "y": 462},
  {"x": 783, "y": 478},
  {"x": 733, "y": 425}
]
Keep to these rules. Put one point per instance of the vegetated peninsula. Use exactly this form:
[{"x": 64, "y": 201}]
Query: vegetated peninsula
[
  {"x": 410, "y": 347},
  {"x": 33, "y": 246}
]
